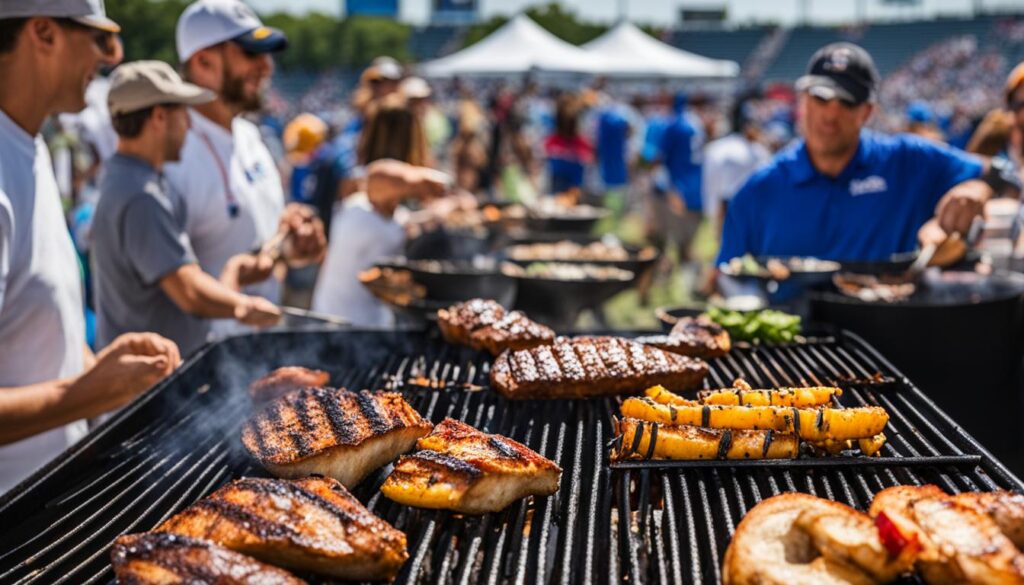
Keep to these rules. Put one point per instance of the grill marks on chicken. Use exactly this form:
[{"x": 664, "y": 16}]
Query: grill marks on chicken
[
  {"x": 591, "y": 366},
  {"x": 336, "y": 433},
  {"x": 458, "y": 467},
  {"x": 163, "y": 558},
  {"x": 313, "y": 524}
]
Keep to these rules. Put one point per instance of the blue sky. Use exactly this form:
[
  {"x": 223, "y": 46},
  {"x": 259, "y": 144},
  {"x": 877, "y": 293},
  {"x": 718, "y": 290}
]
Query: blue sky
[{"x": 664, "y": 12}]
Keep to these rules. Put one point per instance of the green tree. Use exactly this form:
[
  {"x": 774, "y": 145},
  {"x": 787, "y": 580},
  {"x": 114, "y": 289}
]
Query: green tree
[{"x": 147, "y": 27}]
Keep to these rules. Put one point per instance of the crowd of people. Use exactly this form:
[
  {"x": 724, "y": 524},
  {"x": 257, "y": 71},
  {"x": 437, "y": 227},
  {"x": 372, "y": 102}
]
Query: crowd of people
[{"x": 193, "y": 213}]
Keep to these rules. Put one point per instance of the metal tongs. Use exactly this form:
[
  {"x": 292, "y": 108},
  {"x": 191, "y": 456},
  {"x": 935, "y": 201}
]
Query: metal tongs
[{"x": 913, "y": 274}]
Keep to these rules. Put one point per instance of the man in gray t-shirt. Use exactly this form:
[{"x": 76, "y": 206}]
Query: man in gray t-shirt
[{"x": 145, "y": 272}]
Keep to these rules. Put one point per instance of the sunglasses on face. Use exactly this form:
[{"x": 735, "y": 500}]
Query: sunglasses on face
[
  {"x": 1017, "y": 105},
  {"x": 105, "y": 41},
  {"x": 845, "y": 103}
]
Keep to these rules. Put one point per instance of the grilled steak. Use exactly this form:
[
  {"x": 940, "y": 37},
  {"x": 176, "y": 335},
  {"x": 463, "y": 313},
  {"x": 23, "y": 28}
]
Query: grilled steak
[
  {"x": 311, "y": 524},
  {"x": 336, "y": 433},
  {"x": 459, "y": 321},
  {"x": 460, "y": 468},
  {"x": 695, "y": 337},
  {"x": 513, "y": 331},
  {"x": 591, "y": 366},
  {"x": 284, "y": 380},
  {"x": 161, "y": 558}
]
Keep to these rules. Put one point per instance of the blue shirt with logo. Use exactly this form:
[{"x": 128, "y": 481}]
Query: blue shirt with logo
[
  {"x": 871, "y": 211},
  {"x": 681, "y": 144}
]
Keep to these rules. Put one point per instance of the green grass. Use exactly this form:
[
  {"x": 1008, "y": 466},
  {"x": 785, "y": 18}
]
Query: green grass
[{"x": 625, "y": 310}]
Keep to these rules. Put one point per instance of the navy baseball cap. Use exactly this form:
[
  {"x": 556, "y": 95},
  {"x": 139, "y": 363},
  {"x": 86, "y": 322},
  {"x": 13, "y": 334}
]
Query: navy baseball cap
[{"x": 842, "y": 71}]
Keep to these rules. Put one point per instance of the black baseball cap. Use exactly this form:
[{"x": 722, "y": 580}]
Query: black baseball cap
[{"x": 841, "y": 70}]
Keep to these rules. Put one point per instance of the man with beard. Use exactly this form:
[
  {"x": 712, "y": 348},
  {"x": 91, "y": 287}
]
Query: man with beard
[
  {"x": 49, "y": 380},
  {"x": 145, "y": 272},
  {"x": 227, "y": 177}
]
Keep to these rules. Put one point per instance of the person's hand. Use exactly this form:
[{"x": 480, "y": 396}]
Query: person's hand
[
  {"x": 675, "y": 204},
  {"x": 131, "y": 364},
  {"x": 949, "y": 248},
  {"x": 245, "y": 269},
  {"x": 305, "y": 241},
  {"x": 257, "y": 312},
  {"x": 958, "y": 207},
  {"x": 430, "y": 184}
]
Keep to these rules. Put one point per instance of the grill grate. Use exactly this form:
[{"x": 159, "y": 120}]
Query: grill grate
[{"x": 633, "y": 523}]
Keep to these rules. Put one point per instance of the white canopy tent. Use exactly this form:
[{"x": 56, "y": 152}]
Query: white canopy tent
[
  {"x": 627, "y": 51},
  {"x": 520, "y": 46}
]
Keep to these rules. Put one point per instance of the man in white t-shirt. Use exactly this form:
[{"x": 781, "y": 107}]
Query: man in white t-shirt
[
  {"x": 49, "y": 380},
  {"x": 730, "y": 160},
  {"x": 233, "y": 192}
]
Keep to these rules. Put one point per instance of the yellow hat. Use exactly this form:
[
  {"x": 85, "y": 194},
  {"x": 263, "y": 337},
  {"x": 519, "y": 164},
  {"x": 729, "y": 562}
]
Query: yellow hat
[{"x": 303, "y": 134}]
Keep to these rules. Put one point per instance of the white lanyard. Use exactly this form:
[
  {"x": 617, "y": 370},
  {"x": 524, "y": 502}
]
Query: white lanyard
[{"x": 233, "y": 207}]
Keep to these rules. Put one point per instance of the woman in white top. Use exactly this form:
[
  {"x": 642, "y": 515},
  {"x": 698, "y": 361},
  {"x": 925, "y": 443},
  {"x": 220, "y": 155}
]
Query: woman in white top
[{"x": 364, "y": 229}]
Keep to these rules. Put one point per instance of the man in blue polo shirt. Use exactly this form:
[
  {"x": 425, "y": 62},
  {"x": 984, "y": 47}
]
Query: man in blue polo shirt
[{"x": 847, "y": 193}]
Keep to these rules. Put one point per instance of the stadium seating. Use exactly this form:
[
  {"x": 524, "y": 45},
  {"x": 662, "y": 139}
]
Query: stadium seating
[
  {"x": 735, "y": 45},
  {"x": 435, "y": 40}
]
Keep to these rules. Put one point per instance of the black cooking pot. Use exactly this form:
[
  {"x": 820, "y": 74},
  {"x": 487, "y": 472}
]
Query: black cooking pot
[
  {"x": 640, "y": 260},
  {"x": 451, "y": 281},
  {"x": 558, "y": 303},
  {"x": 960, "y": 337}
]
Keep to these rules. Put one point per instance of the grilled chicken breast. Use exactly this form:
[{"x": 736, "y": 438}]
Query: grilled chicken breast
[
  {"x": 957, "y": 543},
  {"x": 312, "y": 524},
  {"x": 284, "y": 380},
  {"x": 1005, "y": 508},
  {"x": 591, "y": 366},
  {"x": 513, "y": 331},
  {"x": 695, "y": 337},
  {"x": 336, "y": 433},
  {"x": 459, "y": 321},
  {"x": 769, "y": 548},
  {"x": 460, "y": 468},
  {"x": 161, "y": 558}
]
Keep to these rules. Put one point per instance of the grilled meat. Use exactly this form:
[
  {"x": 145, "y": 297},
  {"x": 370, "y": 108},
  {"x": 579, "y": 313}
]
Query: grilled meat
[
  {"x": 955, "y": 542},
  {"x": 1005, "y": 508},
  {"x": 513, "y": 331},
  {"x": 458, "y": 467},
  {"x": 161, "y": 558},
  {"x": 336, "y": 433},
  {"x": 459, "y": 321},
  {"x": 591, "y": 366},
  {"x": 769, "y": 548},
  {"x": 313, "y": 524},
  {"x": 695, "y": 337},
  {"x": 284, "y": 380}
]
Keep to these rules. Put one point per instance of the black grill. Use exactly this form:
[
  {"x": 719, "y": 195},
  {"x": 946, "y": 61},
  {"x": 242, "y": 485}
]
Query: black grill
[{"x": 630, "y": 524}]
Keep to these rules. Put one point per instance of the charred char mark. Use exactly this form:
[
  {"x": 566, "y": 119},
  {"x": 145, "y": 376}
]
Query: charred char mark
[
  {"x": 292, "y": 490},
  {"x": 344, "y": 432},
  {"x": 170, "y": 552},
  {"x": 503, "y": 448},
  {"x": 258, "y": 525},
  {"x": 449, "y": 463},
  {"x": 368, "y": 406}
]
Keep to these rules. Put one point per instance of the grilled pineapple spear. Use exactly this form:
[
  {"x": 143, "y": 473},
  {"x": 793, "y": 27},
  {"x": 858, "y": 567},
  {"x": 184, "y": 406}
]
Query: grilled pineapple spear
[
  {"x": 808, "y": 424},
  {"x": 648, "y": 440},
  {"x": 799, "y": 397},
  {"x": 663, "y": 395}
]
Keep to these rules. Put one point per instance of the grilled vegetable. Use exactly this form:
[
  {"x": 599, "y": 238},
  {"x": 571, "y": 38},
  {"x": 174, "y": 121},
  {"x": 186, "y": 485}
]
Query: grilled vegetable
[
  {"x": 868, "y": 446},
  {"x": 799, "y": 397},
  {"x": 808, "y": 424},
  {"x": 766, "y": 325},
  {"x": 663, "y": 395},
  {"x": 647, "y": 440},
  {"x": 871, "y": 445}
]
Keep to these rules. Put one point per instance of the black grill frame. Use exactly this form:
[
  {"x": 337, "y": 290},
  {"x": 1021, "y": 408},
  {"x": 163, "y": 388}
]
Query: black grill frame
[{"x": 634, "y": 523}]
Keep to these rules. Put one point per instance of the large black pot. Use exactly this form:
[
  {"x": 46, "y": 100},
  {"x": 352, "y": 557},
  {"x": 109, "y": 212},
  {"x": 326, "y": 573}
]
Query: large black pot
[{"x": 960, "y": 337}]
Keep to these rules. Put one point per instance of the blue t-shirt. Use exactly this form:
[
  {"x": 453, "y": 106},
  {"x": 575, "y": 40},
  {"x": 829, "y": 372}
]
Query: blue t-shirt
[
  {"x": 871, "y": 211},
  {"x": 612, "y": 135},
  {"x": 681, "y": 145}
]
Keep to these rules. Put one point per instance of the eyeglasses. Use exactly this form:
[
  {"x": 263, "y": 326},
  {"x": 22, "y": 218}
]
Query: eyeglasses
[
  {"x": 105, "y": 41},
  {"x": 845, "y": 103}
]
